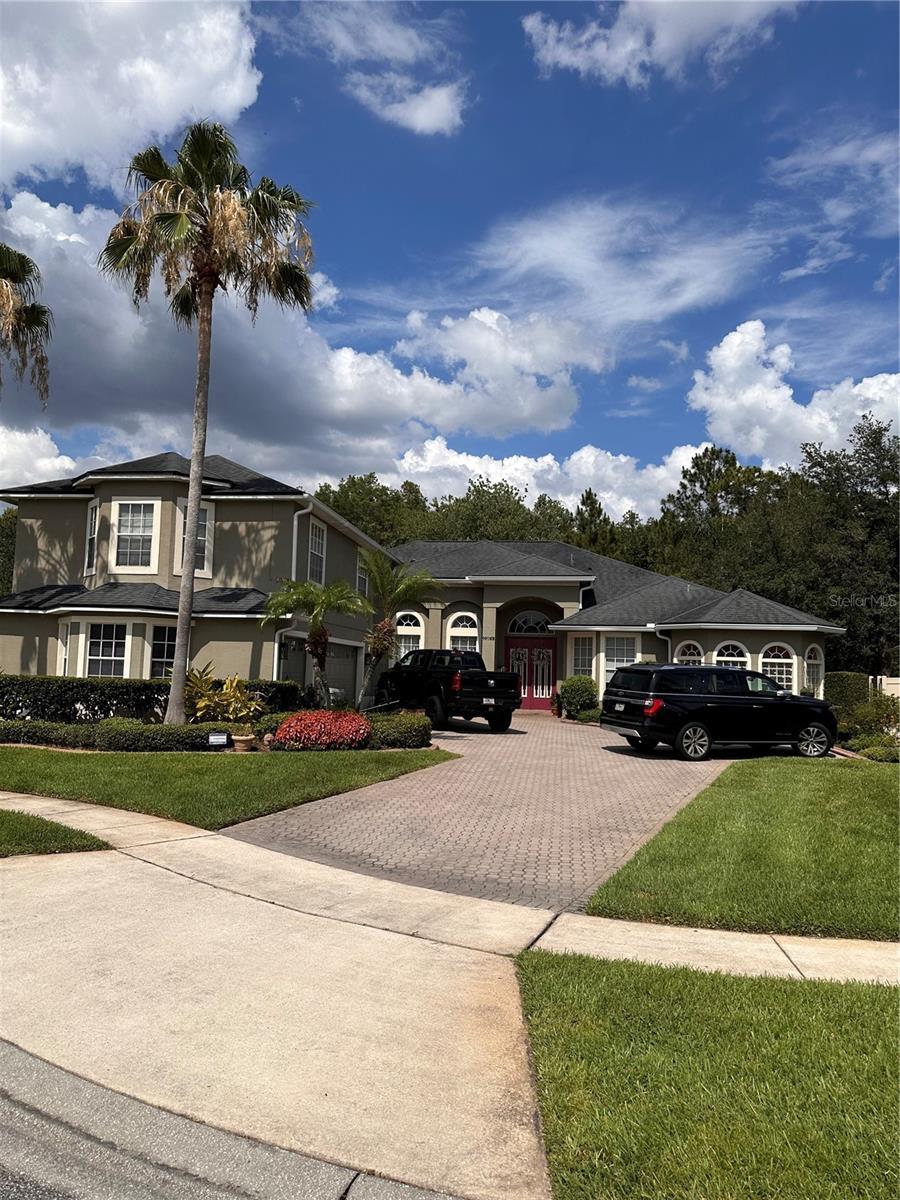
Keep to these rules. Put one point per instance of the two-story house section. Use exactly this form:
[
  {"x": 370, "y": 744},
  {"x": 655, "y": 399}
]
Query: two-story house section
[{"x": 98, "y": 566}]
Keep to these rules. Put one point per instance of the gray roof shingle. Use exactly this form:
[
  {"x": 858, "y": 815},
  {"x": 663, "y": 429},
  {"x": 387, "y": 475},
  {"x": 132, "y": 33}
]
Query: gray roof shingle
[
  {"x": 644, "y": 606},
  {"x": 140, "y": 597},
  {"x": 461, "y": 560},
  {"x": 741, "y": 607}
]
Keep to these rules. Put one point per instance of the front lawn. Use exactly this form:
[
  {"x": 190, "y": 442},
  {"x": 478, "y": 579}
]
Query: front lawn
[
  {"x": 773, "y": 845},
  {"x": 21, "y": 833},
  {"x": 208, "y": 790},
  {"x": 661, "y": 1083}
]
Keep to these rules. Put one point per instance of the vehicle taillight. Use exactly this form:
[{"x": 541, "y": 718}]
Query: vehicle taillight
[
  {"x": 456, "y": 682},
  {"x": 652, "y": 707}
]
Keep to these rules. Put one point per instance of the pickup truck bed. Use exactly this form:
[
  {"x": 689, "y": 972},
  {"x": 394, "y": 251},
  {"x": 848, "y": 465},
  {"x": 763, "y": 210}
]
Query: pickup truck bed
[{"x": 451, "y": 683}]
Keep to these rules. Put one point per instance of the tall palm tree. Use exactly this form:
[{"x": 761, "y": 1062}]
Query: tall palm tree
[
  {"x": 203, "y": 224},
  {"x": 392, "y": 587},
  {"x": 315, "y": 601},
  {"x": 25, "y": 325}
]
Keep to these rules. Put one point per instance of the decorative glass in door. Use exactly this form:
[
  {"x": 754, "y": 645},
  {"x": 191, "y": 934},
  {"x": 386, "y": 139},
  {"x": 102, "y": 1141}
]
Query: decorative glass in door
[{"x": 542, "y": 675}]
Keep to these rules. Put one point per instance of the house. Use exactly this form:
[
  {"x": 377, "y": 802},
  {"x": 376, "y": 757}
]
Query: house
[
  {"x": 98, "y": 567},
  {"x": 548, "y": 610}
]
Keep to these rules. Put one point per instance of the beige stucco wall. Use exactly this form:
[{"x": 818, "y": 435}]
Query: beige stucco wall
[
  {"x": 252, "y": 543},
  {"x": 27, "y": 645},
  {"x": 49, "y": 542}
]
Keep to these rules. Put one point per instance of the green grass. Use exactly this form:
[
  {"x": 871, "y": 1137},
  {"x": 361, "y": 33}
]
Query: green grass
[
  {"x": 661, "y": 1083},
  {"x": 207, "y": 790},
  {"x": 21, "y": 833},
  {"x": 774, "y": 845}
]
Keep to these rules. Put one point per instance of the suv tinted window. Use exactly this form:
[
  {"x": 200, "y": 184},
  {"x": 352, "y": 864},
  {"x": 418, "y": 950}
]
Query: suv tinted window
[
  {"x": 631, "y": 681},
  {"x": 730, "y": 683},
  {"x": 763, "y": 684},
  {"x": 683, "y": 682}
]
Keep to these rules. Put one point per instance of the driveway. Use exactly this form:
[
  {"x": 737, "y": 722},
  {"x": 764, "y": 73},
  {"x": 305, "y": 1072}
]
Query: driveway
[{"x": 538, "y": 816}]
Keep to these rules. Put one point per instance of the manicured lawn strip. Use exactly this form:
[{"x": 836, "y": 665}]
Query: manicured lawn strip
[
  {"x": 21, "y": 833},
  {"x": 207, "y": 790},
  {"x": 660, "y": 1083},
  {"x": 773, "y": 845}
]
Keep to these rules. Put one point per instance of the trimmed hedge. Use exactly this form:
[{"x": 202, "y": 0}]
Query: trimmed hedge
[
  {"x": 66, "y": 698},
  {"x": 577, "y": 693},
  {"x": 49, "y": 733},
  {"x": 399, "y": 731},
  {"x": 865, "y": 741},
  {"x": 844, "y": 689},
  {"x": 881, "y": 754},
  {"x": 115, "y": 733},
  {"x": 589, "y": 716},
  {"x": 323, "y": 729}
]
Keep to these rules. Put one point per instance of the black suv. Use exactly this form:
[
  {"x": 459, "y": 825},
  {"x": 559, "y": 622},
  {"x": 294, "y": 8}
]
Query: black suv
[{"x": 693, "y": 709}]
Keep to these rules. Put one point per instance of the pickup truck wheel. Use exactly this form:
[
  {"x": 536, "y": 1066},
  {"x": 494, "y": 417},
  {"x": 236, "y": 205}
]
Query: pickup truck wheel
[
  {"x": 434, "y": 711},
  {"x": 499, "y": 721}
]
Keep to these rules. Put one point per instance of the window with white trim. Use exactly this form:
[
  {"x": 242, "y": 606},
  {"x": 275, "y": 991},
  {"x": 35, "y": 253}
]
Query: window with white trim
[
  {"x": 620, "y": 652},
  {"x": 203, "y": 553},
  {"x": 530, "y": 621},
  {"x": 583, "y": 655},
  {"x": 106, "y": 650},
  {"x": 464, "y": 633},
  {"x": 90, "y": 541},
  {"x": 778, "y": 663},
  {"x": 689, "y": 654},
  {"x": 362, "y": 574},
  {"x": 162, "y": 651},
  {"x": 316, "y": 567},
  {"x": 814, "y": 669},
  {"x": 135, "y": 535},
  {"x": 63, "y": 659},
  {"x": 732, "y": 654},
  {"x": 409, "y": 633}
]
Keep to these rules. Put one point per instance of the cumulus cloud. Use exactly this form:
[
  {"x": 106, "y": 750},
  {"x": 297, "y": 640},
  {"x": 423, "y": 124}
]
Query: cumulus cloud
[
  {"x": 86, "y": 84},
  {"x": 650, "y": 36},
  {"x": 31, "y": 455},
  {"x": 325, "y": 293},
  {"x": 644, "y": 383},
  {"x": 750, "y": 406},
  {"x": 401, "y": 100}
]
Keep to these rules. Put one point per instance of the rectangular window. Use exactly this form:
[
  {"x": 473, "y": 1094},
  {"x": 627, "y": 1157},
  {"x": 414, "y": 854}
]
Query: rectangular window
[
  {"x": 90, "y": 545},
  {"x": 202, "y": 538},
  {"x": 362, "y": 575},
  {"x": 583, "y": 656},
  {"x": 162, "y": 653},
  {"x": 620, "y": 652},
  {"x": 316, "y": 572},
  {"x": 134, "y": 533},
  {"x": 64, "y": 649},
  {"x": 106, "y": 650}
]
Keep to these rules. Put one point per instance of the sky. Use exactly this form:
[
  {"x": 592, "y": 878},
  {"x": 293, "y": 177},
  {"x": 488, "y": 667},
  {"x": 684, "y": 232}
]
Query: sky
[{"x": 565, "y": 245}]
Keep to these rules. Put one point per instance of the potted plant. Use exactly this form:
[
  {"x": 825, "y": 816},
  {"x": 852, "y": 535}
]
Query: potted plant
[
  {"x": 231, "y": 701},
  {"x": 243, "y": 738},
  {"x": 556, "y": 705}
]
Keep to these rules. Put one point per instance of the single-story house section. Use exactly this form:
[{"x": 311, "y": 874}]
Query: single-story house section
[{"x": 548, "y": 610}]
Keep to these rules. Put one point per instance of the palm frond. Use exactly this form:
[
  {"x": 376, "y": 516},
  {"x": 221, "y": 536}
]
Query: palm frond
[
  {"x": 290, "y": 285},
  {"x": 174, "y": 226},
  {"x": 36, "y": 321},
  {"x": 147, "y": 167},
  {"x": 207, "y": 155},
  {"x": 19, "y": 270},
  {"x": 115, "y": 257},
  {"x": 183, "y": 306}
]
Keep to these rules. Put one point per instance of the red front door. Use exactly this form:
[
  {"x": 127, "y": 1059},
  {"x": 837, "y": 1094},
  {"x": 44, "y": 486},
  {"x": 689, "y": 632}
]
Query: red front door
[{"x": 534, "y": 658}]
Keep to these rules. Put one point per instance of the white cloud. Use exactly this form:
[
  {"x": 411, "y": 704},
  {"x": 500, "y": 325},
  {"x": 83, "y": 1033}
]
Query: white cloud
[
  {"x": 678, "y": 350},
  {"x": 29, "y": 456},
  {"x": 401, "y": 100},
  {"x": 653, "y": 35},
  {"x": 885, "y": 275},
  {"x": 325, "y": 293},
  {"x": 750, "y": 406},
  {"x": 644, "y": 383},
  {"x": 88, "y": 84}
]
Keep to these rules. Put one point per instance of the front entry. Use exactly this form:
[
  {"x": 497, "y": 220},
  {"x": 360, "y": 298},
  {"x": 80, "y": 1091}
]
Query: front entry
[{"x": 534, "y": 660}]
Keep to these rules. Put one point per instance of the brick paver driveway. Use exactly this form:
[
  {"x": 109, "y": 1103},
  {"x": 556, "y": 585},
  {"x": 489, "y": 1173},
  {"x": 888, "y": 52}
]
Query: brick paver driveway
[{"x": 540, "y": 815}]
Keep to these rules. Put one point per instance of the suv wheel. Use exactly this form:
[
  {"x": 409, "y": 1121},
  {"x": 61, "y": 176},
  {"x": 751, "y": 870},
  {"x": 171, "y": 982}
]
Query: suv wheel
[
  {"x": 693, "y": 743},
  {"x": 500, "y": 721},
  {"x": 642, "y": 743},
  {"x": 814, "y": 741},
  {"x": 434, "y": 711}
]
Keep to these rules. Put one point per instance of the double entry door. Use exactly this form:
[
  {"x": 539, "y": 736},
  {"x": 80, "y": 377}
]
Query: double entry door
[{"x": 534, "y": 660}]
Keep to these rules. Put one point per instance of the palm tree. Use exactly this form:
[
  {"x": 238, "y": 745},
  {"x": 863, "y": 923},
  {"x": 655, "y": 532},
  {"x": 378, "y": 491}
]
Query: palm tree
[
  {"x": 315, "y": 601},
  {"x": 205, "y": 227},
  {"x": 392, "y": 587},
  {"x": 25, "y": 325}
]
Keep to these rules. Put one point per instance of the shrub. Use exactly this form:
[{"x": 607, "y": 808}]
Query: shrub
[
  {"x": 122, "y": 733},
  {"x": 865, "y": 741},
  {"x": 399, "y": 731},
  {"x": 589, "y": 716},
  {"x": 845, "y": 690},
  {"x": 48, "y": 733},
  {"x": 270, "y": 722},
  {"x": 882, "y": 754},
  {"x": 209, "y": 699},
  {"x": 323, "y": 729},
  {"x": 577, "y": 693}
]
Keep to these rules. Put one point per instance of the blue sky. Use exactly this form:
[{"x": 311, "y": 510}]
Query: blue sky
[{"x": 563, "y": 244}]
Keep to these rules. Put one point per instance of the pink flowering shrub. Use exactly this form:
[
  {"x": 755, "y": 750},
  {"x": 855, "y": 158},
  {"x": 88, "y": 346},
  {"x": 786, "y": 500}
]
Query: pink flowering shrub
[{"x": 323, "y": 729}]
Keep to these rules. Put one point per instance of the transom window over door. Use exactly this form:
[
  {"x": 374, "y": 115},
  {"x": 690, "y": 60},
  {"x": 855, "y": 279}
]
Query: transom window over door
[
  {"x": 731, "y": 654},
  {"x": 689, "y": 654},
  {"x": 135, "y": 534},
  {"x": 529, "y": 622},
  {"x": 464, "y": 632},
  {"x": 778, "y": 664},
  {"x": 409, "y": 633},
  {"x": 106, "y": 650},
  {"x": 316, "y": 570},
  {"x": 620, "y": 652}
]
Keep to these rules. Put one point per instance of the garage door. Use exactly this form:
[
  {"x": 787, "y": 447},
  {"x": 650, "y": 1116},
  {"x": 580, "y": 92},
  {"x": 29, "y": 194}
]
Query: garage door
[{"x": 341, "y": 670}]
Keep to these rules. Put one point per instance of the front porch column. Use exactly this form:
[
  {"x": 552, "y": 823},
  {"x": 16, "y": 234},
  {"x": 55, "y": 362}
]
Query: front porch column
[
  {"x": 434, "y": 625},
  {"x": 489, "y": 635}
]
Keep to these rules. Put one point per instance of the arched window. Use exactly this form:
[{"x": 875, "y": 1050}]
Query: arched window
[
  {"x": 463, "y": 632},
  {"x": 409, "y": 633},
  {"x": 815, "y": 662},
  {"x": 732, "y": 654},
  {"x": 529, "y": 622},
  {"x": 689, "y": 654},
  {"x": 778, "y": 663}
]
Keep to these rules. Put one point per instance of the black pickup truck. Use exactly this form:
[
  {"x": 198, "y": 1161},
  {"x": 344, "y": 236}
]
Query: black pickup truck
[{"x": 451, "y": 683}]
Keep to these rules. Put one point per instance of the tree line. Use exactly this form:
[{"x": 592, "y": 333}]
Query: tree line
[{"x": 821, "y": 536}]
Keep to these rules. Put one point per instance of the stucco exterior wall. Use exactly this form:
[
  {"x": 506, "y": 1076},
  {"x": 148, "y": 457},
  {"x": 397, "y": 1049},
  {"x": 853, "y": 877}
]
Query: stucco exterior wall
[
  {"x": 49, "y": 542},
  {"x": 27, "y": 645},
  {"x": 233, "y": 646},
  {"x": 252, "y": 543}
]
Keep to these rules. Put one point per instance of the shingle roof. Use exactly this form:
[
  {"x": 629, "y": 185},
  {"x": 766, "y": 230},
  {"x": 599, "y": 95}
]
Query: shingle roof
[
  {"x": 141, "y": 597},
  {"x": 220, "y": 475},
  {"x": 461, "y": 560},
  {"x": 645, "y": 605},
  {"x": 612, "y": 576},
  {"x": 741, "y": 607}
]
